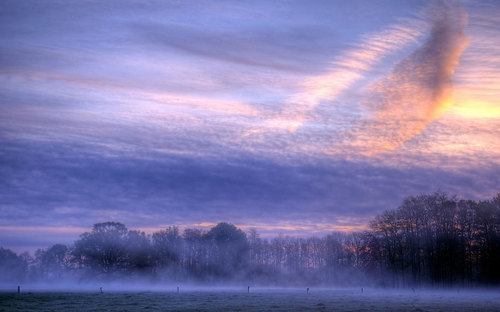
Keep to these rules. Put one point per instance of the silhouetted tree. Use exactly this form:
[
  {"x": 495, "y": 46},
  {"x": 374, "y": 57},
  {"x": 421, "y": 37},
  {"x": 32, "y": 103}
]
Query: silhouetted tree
[
  {"x": 195, "y": 252},
  {"x": 52, "y": 263},
  {"x": 488, "y": 239},
  {"x": 139, "y": 254},
  {"x": 229, "y": 249},
  {"x": 104, "y": 249},
  {"x": 168, "y": 247},
  {"x": 12, "y": 267},
  {"x": 431, "y": 239}
]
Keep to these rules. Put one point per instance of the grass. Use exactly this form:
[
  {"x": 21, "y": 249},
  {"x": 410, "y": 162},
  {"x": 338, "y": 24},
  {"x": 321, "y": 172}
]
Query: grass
[{"x": 257, "y": 300}]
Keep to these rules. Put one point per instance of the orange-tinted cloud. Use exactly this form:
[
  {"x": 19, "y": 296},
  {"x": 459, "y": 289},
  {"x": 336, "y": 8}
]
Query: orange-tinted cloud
[
  {"x": 417, "y": 90},
  {"x": 294, "y": 228},
  {"x": 343, "y": 72},
  {"x": 477, "y": 79}
]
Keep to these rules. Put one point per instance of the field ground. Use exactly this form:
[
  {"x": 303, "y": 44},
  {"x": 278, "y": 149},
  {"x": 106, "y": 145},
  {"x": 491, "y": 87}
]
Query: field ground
[{"x": 260, "y": 299}]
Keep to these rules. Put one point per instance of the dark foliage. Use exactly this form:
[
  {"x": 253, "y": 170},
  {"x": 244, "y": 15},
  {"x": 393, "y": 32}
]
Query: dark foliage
[
  {"x": 431, "y": 239},
  {"x": 12, "y": 267}
]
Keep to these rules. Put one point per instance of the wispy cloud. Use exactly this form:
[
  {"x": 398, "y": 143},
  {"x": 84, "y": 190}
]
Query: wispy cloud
[
  {"x": 418, "y": 89},
  {"x": 344, "y": 71}
]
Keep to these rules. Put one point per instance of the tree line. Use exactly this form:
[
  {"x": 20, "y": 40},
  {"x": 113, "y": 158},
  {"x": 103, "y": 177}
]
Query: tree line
[{"x": 431, "y": 239}]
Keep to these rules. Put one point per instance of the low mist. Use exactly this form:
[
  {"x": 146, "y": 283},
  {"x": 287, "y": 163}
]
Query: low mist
[{"x": 430, "y": 241}]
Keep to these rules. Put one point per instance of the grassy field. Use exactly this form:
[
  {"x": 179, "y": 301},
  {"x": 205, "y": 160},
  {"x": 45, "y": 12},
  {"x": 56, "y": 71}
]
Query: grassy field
[{"x": 257, "y": 300}]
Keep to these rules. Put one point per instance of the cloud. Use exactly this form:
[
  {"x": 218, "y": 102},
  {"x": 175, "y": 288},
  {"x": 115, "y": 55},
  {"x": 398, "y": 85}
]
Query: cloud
[
  {"x": 94, "y": 171},
  {"x": 268, "y": 49},
  {"x": 134, "y": 113},
  {"x": 477, "y": 79},
  {"x": 78, "y": 184},
  {"x": 351, "y": 66},
  {"x": 419, "y": 88}
]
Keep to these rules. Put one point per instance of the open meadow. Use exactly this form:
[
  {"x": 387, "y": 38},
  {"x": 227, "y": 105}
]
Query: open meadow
[{"x": 261, "y": 299}]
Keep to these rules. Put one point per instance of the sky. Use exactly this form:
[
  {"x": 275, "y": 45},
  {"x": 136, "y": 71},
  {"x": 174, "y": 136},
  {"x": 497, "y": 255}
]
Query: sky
[{"x": 292, "y": 117}]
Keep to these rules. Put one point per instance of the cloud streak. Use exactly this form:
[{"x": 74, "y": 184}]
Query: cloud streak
[
  {"x": 344, "y": 71},
  {"x": 418, "y": 89}
]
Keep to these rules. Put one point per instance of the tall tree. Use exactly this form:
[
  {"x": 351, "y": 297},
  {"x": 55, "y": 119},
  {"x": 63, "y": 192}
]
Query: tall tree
[
  {"x": 104, "y": 249},
  {"x": 53, "y": 263},
  {"x": 12, "y": 267},
  {"x": 230, "y": 249}
]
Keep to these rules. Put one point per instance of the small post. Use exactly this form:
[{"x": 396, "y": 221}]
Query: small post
[
  {"x": 307, "y": 289},
  {"x": 100, "y": 288},
  {"x": 248, "y": 289},
  {"x": 361, "y": 289},
  {"x": 18, "y": 289},
  {"x": 177, "y": 289}
]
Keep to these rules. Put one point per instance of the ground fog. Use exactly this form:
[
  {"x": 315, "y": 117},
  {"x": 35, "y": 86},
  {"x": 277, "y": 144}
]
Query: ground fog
[{"x": 258, "y": 299}]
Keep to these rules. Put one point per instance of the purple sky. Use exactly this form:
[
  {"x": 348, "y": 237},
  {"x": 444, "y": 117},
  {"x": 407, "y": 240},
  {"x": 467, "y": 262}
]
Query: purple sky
[{"x": 292, "y": 117}]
